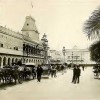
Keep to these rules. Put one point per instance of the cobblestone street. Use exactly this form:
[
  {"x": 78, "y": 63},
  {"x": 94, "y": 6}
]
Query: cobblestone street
[{"x": 59, "y": 88}]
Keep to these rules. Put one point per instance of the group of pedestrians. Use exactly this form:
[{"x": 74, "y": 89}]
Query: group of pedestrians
[
  {"x": 53, "y": 71},
  {"x": 76, "y": 74}
]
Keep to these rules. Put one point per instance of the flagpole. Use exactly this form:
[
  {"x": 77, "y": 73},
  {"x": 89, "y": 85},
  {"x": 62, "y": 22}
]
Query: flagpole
[{"x": 31, "y": 5}]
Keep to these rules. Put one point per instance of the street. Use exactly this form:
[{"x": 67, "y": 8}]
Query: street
[{"x": 59, "y": 88}]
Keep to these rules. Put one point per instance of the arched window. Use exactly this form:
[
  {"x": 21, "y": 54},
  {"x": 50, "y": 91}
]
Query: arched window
[
  {"x": 26, "y": 60},
  {"x": 29, "y": 60},
  {"x": 16, "y": 60},
  {"x": 12, "y": 61},
  {"x": 0, "y": 61},
  {"x": 9, "y": 61},
  {"x": 4, "y": 61}
]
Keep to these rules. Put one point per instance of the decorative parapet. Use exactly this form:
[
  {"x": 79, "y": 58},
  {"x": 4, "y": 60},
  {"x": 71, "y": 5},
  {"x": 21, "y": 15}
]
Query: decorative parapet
[{"x": 7, "y": 31}]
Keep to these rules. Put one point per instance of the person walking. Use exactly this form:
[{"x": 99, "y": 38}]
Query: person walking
[
  {"x": 74, "y": 74},
  {"x": 83, "y": 67},
  {"x": 78, "y": 73},
  {"x": 53, "y": 72},
  {"x": 62, "y": 69},
  {"x": 39, "y": 73}
]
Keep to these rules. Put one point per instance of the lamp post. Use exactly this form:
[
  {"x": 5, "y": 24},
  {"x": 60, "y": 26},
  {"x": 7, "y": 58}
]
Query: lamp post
[
  {"x": 64, "y": 51},
  {"x": 72, "y": 57},
  {"x": 45, "y": 48},
  {"x": 81, "y": 58},
  {"x": 76, "y": 58}
]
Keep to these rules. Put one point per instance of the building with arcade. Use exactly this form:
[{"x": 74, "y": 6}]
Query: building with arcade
[{"x": 25, "y": 46}]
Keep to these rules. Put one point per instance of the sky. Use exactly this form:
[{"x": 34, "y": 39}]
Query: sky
[{"x": 61, "y": 20}]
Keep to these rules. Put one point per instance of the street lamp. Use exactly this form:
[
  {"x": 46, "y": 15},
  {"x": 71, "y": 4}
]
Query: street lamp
[
  {"x": 81, "y": 58},
  {"x": 64, "y": 51},
  {"x": 45, "y": 48},
  {"x": 72, "y": 57},
  {"x": 76, "y": 58}
]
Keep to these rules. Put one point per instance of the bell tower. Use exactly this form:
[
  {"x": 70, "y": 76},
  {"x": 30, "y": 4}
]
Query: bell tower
[{"x": 30, "y": 30}]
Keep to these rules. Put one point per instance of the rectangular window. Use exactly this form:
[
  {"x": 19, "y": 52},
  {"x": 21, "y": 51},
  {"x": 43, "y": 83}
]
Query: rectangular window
[
  {"x": 1, "y": 45},
  {"x": 15, "y": 48}
]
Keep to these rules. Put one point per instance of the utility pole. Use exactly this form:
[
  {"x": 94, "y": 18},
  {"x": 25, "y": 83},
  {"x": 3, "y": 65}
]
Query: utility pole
[
  {"x": 72, "y": 57},
  {"x": 64, "y": 51}
]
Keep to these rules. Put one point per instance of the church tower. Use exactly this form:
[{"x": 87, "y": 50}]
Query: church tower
[{"x": 30, "y": 30}]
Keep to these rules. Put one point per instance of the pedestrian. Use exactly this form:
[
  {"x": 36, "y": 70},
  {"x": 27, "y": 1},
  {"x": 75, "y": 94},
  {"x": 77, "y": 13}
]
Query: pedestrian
[
  {"x": 78, "y": 73},
  {"x": 83, "y": 67},
  {"x": 74, "y": 74},
  {"x": 53, "y": 72},
  {"x": 39, "y": 73},
  {"x": 62, "y": 69},
  {"x": 34, "y": 72}
]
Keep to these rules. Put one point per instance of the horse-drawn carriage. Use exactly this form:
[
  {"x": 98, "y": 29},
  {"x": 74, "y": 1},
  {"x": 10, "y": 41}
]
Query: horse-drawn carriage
[
  {"x": 10, "y": 74},
  {"x": 46, "y": 71},
  {"x": 29, "y": 70},
  {"x": 17, "y": 74}
]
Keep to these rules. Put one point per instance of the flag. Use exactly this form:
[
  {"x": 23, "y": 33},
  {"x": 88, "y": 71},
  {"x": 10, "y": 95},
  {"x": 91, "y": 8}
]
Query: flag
[{"x": 31, "y": 4}]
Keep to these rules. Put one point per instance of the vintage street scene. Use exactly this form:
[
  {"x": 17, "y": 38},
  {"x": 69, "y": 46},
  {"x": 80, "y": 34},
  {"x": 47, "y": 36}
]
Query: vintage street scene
[{"x": 49, "y": 50}]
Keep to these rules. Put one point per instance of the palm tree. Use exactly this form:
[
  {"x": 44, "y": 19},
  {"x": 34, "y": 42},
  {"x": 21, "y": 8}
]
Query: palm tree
[
  {"x": 92, "y": 25},
  {"x": 95, "y": 51}
]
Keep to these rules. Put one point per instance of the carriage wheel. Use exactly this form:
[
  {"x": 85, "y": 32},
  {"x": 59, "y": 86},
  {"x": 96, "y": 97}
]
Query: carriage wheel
[{"x": 20, "y": 80}]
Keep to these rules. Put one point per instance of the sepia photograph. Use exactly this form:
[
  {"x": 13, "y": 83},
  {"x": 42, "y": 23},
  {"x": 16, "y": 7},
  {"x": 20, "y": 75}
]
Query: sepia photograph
[{"x": 49, "y": 49}]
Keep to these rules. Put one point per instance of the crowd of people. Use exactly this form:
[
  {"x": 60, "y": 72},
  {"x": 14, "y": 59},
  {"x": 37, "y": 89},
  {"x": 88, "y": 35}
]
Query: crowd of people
[
  {"x": 19, "y": 73},
  {"x": 51, "y": 70}
]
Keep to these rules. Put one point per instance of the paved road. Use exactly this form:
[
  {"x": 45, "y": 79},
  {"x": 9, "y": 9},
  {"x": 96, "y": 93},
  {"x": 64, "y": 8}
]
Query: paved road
[{"x": 59, "y": 88}]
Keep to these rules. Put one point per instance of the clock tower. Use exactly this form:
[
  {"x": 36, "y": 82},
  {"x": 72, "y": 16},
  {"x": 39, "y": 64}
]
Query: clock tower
[{"x": 30, "y": 30}]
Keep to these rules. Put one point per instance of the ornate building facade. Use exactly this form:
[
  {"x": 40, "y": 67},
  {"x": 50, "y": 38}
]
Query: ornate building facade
[
  {"x": 55, "y": 57},
  {"x": 77, "y": 56},
  {"x": 24, "y": 46}
]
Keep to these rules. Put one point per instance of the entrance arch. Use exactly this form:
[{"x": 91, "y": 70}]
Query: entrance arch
[
  {"x": 9, "y": 61},
  {"x": 4, "y": 61},
  {"x": 16, "y": 60},
  {"x": 12, "y": 61},
  {"x": 27, "y": 61},
  {"x": 21, "y": 59},
  {"x": 24, "y": 60},
  {"x": 0, "y": 61}
]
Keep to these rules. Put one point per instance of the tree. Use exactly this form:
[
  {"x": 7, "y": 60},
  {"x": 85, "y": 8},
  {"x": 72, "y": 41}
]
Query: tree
[
  {"x": 92, "y": 25},
  {"x": 92, "y": 29},
  {"x": 95, "y": 52}
]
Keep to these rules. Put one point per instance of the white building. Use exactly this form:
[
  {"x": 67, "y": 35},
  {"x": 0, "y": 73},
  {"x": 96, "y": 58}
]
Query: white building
[
  {"x": 55, "y": 56},
  {"x": 77, "y": 56},
  {"x": 24, "y": 46}
]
